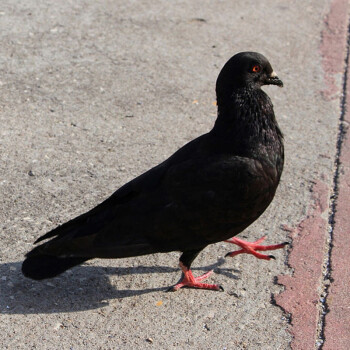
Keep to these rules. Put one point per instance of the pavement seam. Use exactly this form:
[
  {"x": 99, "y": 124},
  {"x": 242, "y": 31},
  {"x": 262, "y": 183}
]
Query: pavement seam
[{"x": 327, "y": 265}]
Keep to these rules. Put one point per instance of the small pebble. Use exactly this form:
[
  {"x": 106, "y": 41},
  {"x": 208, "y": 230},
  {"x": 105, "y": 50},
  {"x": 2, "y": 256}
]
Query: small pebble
[{"x": 58, "y": 325}]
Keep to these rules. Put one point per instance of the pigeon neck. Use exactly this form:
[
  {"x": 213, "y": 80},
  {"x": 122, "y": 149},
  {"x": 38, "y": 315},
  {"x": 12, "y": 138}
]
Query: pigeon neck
[{"x": 246, "y": 119}]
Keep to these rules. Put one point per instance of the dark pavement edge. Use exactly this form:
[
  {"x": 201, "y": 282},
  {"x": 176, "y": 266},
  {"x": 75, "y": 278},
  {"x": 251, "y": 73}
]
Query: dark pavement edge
[
  {"x": 337, "y": 318},
  {"x": 317, "y": 295}
]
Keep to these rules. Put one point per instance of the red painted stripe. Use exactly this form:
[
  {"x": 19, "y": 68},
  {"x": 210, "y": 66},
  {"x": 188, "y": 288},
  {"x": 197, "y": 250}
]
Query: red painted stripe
[
  {"x": 301, "y": 293},
  {"x": 333, "y": 47},
  {"x": 337, "y": 321}
]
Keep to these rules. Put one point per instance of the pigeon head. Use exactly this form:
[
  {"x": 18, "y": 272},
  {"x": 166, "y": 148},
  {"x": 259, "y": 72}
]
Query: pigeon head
[{"x": 245, "y": 70}]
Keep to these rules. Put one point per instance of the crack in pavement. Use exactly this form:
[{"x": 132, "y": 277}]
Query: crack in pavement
[{"x": 327, "y": 266}]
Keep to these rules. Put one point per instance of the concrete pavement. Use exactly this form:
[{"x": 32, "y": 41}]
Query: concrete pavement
[{"x": 94, "y": 93}]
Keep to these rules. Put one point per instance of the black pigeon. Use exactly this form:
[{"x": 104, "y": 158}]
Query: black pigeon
[{"x": 208, "y": 191}]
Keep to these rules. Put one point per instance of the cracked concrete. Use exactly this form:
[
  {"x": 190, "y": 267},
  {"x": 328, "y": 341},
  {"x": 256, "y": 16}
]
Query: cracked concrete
[{"x": 95, "y": 93}]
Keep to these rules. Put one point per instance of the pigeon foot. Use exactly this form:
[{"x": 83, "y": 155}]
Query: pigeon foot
[
  {"x": 190, "y": 281},
  {"x": 253, "y": 247}
]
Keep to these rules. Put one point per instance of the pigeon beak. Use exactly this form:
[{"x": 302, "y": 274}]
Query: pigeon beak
[{"x": 273, "y": 79}]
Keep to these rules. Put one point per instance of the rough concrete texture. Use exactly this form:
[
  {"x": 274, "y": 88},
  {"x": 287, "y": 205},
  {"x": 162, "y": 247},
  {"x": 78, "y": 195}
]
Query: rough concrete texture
[
  {"x": 337, "y": 319},
  {"x": 337, "y": 330},
  {"x": 301, "y": 294},
  {"x": 316, "y": 296},
  {"x": 94, "y": 93}
]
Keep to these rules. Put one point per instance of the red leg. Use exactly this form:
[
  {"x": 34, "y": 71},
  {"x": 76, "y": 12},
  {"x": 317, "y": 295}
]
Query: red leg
[
  {"x": 253, "y": 247},
  {"x": 194, "y": 282}
]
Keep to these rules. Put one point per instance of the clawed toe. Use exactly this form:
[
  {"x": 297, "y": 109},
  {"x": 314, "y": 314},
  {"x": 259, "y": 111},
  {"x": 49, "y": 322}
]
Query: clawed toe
[
  {"x": 253, "y": 248},
  {"x": 190, "y": 281}
]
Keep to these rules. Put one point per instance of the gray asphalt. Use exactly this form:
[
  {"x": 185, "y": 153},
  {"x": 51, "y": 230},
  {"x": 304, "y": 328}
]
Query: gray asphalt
[{"x": 93, "y": 93}]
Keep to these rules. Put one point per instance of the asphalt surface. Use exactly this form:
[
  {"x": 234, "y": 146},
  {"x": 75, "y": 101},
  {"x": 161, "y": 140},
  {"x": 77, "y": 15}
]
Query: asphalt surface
[{"x": 93, "y": 93}]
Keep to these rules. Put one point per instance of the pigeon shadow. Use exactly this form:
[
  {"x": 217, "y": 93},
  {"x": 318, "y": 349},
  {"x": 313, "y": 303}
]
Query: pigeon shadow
[{"x": 85, "y": 287}]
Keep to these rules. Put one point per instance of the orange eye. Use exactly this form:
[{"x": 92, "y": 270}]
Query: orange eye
[{"x": 256, "y": 69}]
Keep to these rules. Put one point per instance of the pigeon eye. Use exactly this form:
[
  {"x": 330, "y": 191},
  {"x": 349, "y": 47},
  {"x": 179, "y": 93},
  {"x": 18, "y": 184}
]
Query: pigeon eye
[{"x": 256, "y": 69}]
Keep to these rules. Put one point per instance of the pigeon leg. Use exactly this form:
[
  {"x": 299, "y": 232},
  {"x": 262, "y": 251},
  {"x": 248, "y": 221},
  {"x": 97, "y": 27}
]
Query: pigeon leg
[
  {"x": 188, "y": 280},
  {"x": 253, "y": 247}
]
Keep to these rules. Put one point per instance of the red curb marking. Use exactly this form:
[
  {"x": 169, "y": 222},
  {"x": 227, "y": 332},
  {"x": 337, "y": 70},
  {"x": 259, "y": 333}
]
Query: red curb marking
[
  {"x": 333, "y": 47},
  {"x": 300, "y": 297},
  {"x": 301, "y": 294},
  {"x": 337, "y": 321}
]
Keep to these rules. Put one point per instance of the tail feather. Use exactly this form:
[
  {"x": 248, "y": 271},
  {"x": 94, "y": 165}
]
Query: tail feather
[
  {"x": 46, "y": 266},
  {"x": 91, "y": 221}
]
